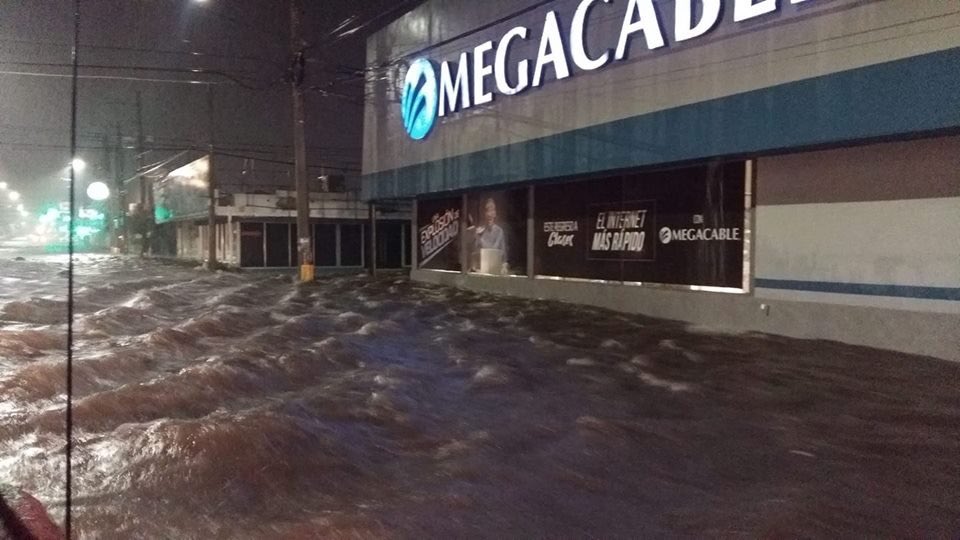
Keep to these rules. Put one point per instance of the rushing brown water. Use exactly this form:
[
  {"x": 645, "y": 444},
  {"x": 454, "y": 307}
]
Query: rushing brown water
[{"x": 244, "y": 406}]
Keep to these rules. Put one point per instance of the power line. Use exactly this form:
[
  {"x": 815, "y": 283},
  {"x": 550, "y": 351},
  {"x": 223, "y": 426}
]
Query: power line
[
  {"x": 277, "y": 63},
  {"x": 104, "y": 77},
  {"x": 235, "y": 78}
]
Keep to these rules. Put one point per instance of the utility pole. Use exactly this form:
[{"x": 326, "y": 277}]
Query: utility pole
[
  {"x": 297, "y": 68},
  {"x": 108, "y": 165},
  {"x": 142, "y": 218},
  {"x": 123, "y": 228},
  {"x": 211, "y": 187},
  {"x": 143, "y": 184}
]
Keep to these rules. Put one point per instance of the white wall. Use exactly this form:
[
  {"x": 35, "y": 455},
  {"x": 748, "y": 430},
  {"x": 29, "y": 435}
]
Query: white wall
[
  {"x": 885, "y": 214},
  {"x": 816, "y": 38}
]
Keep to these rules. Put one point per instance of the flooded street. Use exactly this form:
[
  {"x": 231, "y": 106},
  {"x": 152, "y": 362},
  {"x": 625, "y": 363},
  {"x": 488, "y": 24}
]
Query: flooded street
[{"x": 244, "y": 406}]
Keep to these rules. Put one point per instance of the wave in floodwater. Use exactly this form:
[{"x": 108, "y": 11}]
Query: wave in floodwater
[{"x": 246, "y": 406}]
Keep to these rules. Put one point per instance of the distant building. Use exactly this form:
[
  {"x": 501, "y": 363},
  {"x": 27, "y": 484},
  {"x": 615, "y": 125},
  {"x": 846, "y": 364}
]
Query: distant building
[{"x": 256, "y": 223}]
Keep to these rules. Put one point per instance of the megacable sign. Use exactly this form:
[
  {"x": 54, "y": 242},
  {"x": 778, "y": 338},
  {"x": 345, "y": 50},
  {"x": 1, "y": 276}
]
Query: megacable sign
[{"x": 460, "y": 85}]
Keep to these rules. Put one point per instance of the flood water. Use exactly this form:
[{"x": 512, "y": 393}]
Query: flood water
[{"x": 245, "y": 406}]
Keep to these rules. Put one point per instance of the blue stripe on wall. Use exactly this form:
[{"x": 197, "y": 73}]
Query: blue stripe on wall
[
  {"x": 900, "y": 291},
  {"x": 908, "y": 96}
]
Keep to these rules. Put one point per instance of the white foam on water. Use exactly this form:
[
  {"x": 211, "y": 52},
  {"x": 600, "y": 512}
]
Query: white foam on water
[
  {"x": 612, "y": 344},
  {"x": 581, "y": 362},
  {"x": 657, "y": 382}
]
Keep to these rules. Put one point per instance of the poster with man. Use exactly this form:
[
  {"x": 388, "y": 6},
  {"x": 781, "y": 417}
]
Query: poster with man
[{"x": 497, "y": 232}]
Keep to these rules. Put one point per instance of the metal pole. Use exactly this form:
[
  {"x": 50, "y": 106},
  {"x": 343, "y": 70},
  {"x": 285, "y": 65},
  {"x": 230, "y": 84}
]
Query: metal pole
[
  {"x": 109, "y": 164},
  {"x": 414, "y": 237},
  {"x": 465, "y": 243},
  {"x": 121, "y": 196},
  {"x": 531, "y": 232},
  {"x": 68, "y": 524},
  {"x": 373, "y": 239},
  {"x": 211, "y": 186},
  {"x": 297, "y": 68},
  {"x": 142, "y": 218}
]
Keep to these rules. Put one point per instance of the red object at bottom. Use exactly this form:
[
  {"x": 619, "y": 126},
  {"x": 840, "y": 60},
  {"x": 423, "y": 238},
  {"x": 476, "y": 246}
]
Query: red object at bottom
[{"x": 23, "y": 517}]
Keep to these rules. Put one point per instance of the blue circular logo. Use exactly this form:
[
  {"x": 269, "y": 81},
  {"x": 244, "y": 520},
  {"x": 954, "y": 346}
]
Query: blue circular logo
[{"x": 418, "y": 101}]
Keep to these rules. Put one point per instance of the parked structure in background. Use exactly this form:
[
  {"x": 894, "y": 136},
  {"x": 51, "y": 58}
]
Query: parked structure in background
[{"x": 786, "y": 167}]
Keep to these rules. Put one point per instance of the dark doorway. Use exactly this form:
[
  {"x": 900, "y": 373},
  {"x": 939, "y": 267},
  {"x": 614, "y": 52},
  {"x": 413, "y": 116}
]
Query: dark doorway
[
  {"x": 165, "y": 243},
  {"x": 351, "y": 245},
  {"x": 251, "y": 245},
  {"x": 294, "y": 246},
  {"x": 389, "y": 244},
  {"x": 278, "y": 245},
  {"x": 405, "y": 241},
  {"x": 325, "y": 244}
]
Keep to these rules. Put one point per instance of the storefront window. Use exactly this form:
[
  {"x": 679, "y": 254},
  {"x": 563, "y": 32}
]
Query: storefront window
[{"x": 496, "y": 233}]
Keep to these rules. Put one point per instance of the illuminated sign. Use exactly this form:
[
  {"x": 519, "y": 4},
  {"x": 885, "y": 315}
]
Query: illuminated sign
[
  {"x": 466, "y": 83},
  {"x": 418, "y": 101}
]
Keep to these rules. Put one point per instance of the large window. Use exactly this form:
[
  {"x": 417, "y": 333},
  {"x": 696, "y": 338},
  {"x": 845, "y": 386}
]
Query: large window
[
  {"x": 681, "y": 226},
  {"x": 351, "y": 245},
  {"x": 496, "y": 232},
  {"x": 325, "y": 244}
]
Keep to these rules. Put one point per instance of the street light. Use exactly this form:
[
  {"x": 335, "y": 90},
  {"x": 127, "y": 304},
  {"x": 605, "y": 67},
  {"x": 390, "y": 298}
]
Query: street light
[
  {"x": 98, "y": 191},
  {"x": 78, "y": 164},
  {"x": 3, "y": 186},
  {"x": 14, "y": 196}
]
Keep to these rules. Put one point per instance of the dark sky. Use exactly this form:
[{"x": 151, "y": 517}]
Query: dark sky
[{"x": 245, "y": 39}]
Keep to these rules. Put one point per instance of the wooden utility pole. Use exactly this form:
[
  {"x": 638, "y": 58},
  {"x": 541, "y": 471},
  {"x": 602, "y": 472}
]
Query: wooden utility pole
[
  {"x": 123, "y": 230},
  {"x": 297, "y": 68},
  {"x": 211, "y": 186},
  {"x": 108, "y": 166},
  {"x": 144, "y": 209},
  {"x": 143, "y": 182}
]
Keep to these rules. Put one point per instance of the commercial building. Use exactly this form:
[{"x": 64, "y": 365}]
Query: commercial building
[
  {"x": 256, "y": 221},
  {"x": 782, "y": 166}
]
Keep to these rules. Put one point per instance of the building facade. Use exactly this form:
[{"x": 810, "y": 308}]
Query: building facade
[
  {"x": 782, "y": 166},
  {"x": 256, "y": 225}
]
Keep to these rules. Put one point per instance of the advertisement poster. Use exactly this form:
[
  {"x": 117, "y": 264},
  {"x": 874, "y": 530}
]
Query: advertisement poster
[
  {"x": 438, "y": 233},
  {"x": 679, "y": 226},
  {"x": 497, "y": 232}
]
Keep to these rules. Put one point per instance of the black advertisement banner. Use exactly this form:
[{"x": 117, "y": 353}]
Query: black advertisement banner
[
  {"x": 438, "y": 234},
  {"x": 680, "y": 226},
  {"x": 622, "y": 231},
  {"x": 497, "y": 232}
]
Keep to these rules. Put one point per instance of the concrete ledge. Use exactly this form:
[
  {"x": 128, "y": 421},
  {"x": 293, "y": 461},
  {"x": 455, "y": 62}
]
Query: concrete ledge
[{"x": 928, "y": 334}]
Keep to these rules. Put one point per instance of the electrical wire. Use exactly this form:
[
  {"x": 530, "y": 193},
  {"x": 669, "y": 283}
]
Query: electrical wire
[
  {"x": 239, "y": 80},
  {"x": 104, "y": 77},
  {"x": 280, "y": 64}
]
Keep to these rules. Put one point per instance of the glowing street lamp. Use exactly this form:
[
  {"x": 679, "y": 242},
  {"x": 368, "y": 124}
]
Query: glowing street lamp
[
  {"x": 14, "y": 196},
  {"x": 78, "y": 164},
  {"x": 98, "y": 191},
  {"x": 3, "y": 186}
]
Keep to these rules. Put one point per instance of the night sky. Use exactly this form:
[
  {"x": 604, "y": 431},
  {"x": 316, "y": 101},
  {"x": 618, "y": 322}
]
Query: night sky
[{"x": 245, "y": 39}]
